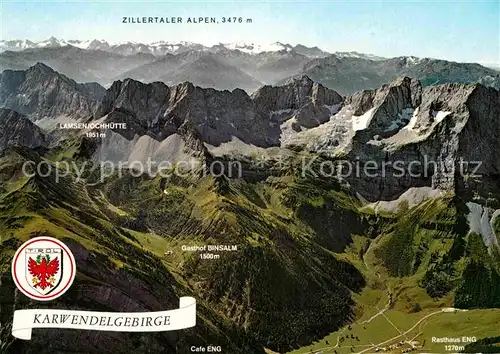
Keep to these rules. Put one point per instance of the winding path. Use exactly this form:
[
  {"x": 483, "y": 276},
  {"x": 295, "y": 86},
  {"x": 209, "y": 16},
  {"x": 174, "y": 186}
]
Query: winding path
[{"x": 448, "y": 309}]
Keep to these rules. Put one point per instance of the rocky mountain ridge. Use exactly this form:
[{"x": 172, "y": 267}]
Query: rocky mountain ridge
[
  {"x": 158, "y": 111},
  {"x": 444, "y": 130},
  {"x": 401, "y": 121},
  {"x": 229, "y": 66},
  {"x": 428, "y": 129},
  {"x": 42, "y": 93},
  {"x": 79, "y": 64},
  {"x": 224, "y": 69},
  {"x": 348, "y": 75}
]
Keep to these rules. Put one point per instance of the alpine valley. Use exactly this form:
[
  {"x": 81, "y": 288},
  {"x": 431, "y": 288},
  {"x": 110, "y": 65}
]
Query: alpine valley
[{"x": 256, "y": 140}]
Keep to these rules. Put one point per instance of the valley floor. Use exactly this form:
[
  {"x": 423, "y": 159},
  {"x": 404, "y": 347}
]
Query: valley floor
[
  {"x": 398, "y": 331},
  {"x": 395, "y": 315}
]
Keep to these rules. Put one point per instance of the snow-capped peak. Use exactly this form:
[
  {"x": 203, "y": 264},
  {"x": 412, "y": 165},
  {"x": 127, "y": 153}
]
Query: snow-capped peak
[
  {"x": 16, "y": 44},
  {"x": 357, "y": 55},
  {"x": 157, "y": 48},
  {"x": 52, "y": 42},
  {"x": 254, "y": 48}
]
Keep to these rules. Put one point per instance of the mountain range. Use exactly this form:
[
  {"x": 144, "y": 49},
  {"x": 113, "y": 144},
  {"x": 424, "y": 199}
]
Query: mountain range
[
  {"x": 354, "y": 74},
  {"x": 322, "y": 257},
  {"x": 300, "y": 114},
  {"x": 230, "y": 66},
  {"x": 160, "y": 48}
]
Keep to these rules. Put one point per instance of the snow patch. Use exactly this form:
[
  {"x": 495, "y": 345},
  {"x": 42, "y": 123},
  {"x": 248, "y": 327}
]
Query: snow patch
[
  {"x": 362, "y": 122},
  {"x": 81, "y": 44},
  {"x": 479, "y": 223},
  {"x": 439, "y": 115},
  {"x": 253, "y": 48},
  {"x": 357, "y": 55},
  {"x": 411, "y": 61},
  {"x": 288, "y": 132},
  {"x": 413, "y": 120},
  {"x": 412, "y": 197}
]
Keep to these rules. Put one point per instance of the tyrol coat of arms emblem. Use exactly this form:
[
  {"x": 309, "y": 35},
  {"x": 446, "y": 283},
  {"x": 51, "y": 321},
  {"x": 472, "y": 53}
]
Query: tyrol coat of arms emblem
[{"x": 43, "y": 268}]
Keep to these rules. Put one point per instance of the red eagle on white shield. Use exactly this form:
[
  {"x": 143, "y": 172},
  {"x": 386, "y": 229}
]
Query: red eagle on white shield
[{"x": 44, "y": 269}]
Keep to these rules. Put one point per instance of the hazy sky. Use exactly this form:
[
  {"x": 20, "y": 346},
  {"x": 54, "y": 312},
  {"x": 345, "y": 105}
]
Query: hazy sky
[{"x": 453, "y": 30}]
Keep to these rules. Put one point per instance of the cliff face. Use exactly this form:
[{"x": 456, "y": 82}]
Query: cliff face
[
  {"x": 40, "y": 92},
  {"x": 156, "y": 112},
  {"x": 18, "y": 130},
  {"x": 453, "y": 128},
  {"x": 306, "y": 102},
  {"x": 414, "y": 136}
]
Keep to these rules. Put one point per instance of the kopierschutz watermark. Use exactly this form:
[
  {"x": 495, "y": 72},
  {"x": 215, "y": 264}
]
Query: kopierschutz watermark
[{"x": 315, "y": 167}]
